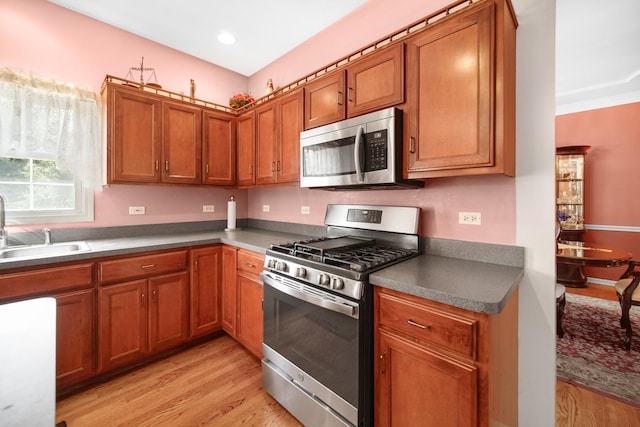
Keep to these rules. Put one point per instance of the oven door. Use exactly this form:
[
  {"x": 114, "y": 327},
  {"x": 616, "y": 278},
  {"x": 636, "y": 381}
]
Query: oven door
[{"x": 316, "y": 339}]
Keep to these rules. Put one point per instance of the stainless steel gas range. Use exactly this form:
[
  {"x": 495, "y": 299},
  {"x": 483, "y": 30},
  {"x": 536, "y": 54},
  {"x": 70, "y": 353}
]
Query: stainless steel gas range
[{"x": 318, "y": 325}]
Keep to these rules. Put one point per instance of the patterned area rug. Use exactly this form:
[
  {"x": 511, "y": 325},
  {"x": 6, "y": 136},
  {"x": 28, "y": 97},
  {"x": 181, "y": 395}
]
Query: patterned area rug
[{"x": 591, "y": 353}]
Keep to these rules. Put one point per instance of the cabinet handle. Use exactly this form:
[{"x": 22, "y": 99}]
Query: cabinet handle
[
  {"x": 278, "y": 165},
  {"x": 166, "y": 165},
  {"x": 382, "y": 363},
  {"x": 248, "y": 264},
  {"x": 418, "y": 325},
  {"x": 142, "y": 298},
  {"x": 154, "y": 295},
  {"x": 206, "y": 169},
  {"x": 148, "y": 266},
  {"x": 412, "y": 144},
  {"x": 273, "y": 166},
  {"x": 350, "y": 94},
  {"x": 339, "y": 97},
  {"x": 156, "y": 166},
  {"x": 195, "y": 266}
]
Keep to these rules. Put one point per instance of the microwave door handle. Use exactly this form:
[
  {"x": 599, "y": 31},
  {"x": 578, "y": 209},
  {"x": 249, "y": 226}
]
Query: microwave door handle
[{"x": 357, "y": 150}]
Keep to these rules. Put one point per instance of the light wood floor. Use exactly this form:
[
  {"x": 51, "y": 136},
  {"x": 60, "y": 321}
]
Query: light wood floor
[{"x": 219, "y": 383}]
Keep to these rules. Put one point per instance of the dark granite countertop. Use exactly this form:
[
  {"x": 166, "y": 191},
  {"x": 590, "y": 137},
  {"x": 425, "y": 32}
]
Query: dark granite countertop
[
  {"x": 474, "y": 276},
  {"x": 472, "y": 285}
]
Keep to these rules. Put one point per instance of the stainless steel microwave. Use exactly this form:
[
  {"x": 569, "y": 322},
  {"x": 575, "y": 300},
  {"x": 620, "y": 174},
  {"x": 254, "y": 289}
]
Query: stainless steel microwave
[{"x": 357, "y": 153}]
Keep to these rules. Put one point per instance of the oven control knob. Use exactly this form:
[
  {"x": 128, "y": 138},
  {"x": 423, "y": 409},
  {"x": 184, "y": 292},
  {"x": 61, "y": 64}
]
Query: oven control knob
[
  {"x": 271, "y": 263},
  {"x": 323, "y": 280},
  {"x": 281, "y": 266},
  {"x": 300, "y": 272},
  {"x": 337, "y": 283}
]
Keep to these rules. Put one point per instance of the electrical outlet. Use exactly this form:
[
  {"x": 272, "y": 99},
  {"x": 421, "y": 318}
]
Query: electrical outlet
[
  {"x": 305, "y": 210},
  {"x": 136, "y": 210},
  {"x": 208, "y": 208},
  {"x": 469, "y": 218},
  {"x": 266, "y": 208}
]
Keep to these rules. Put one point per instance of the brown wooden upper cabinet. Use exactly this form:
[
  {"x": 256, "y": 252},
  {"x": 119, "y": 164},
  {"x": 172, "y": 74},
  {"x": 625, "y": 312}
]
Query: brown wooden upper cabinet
[
  {"x": 246, "y": 148},
  {"x": 181, "y": 143},
  {"x": 461, "y": 94},
  {"x": 372, "y": 83},
  {"x": 150, "y": 140},
  {"x": 278, "y": 127},
  {"x": 218, "y": 149}
]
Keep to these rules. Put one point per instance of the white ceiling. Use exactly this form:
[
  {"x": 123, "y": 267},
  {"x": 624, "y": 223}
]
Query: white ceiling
[
  {"x": 598, "y": 42},
  {"x": 597, "y": 53},
  {"x": 264, "y": 29}
]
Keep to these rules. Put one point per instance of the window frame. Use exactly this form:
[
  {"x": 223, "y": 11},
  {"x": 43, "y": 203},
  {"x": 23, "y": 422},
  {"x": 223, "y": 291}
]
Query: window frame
[{"x": 82, "y": 212}]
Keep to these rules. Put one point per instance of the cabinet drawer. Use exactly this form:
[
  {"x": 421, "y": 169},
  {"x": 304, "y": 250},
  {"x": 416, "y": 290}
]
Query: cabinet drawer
[
  {"x": 250, "y": 262},
  {"x": 141, "y": 266},
  {"x": 428, "y": 324},
  {"x": 17, "y": 285}
]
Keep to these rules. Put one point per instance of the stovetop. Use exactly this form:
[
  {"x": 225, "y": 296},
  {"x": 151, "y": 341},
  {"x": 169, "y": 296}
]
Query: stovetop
[
  {"x": 351, "y": 253},
  {"x": 360, "y": 239}
]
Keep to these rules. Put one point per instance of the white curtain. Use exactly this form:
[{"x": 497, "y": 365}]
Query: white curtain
[{"x": 51, "y": 120}]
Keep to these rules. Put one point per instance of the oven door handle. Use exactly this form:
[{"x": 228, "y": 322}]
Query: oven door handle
[
  {"x": 357, "y": 153},
  {"x": 312, "y": 299}
]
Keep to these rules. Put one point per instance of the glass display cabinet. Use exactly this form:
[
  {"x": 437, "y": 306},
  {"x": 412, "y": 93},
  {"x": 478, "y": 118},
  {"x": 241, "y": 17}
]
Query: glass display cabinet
[{"x": 570, "y": 191}]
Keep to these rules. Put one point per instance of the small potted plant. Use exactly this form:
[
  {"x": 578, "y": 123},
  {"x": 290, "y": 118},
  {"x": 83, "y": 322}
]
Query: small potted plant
[{"x": 240, "y": 100}]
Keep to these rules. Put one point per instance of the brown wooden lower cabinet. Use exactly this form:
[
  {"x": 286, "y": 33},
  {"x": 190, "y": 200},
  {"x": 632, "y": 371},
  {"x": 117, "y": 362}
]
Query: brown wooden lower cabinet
[
  {"x": 205, "y": 290},
  {"x": 140, "y": 317},
  {"x": 74, "y": 337},
  {"x": 437, "y": 365},
  {"x": 242, "y": 297},
  {"x": 421, "y": 387}
]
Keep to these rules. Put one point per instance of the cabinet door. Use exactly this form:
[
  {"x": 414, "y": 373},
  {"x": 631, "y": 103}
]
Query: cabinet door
[
  {"x": 324, "y": 100},
  {"x": 134, "y": 136},
  {"x": 291, "y": 121},
  {"x": 168, "y": 310},
  {"x": 246, "y": 149},
  {"x": 249, "y": 326},
  {"x": 415, "y": 386},
  {"x": 205, "y": 290},
  {"x": 182, "y": 143},
  {"x": 450, "y": 97},
  {"x": 74, "y": 337},
  {"x": 122, "y": 323},
  {"x": 376, "y": 81},
  {"x": 267, "y": 136},
  {"x": 219, "y": 149},
  {"x": 228, "y": 288}
]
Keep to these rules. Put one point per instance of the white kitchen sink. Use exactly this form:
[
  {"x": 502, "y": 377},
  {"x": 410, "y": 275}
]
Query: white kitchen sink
[{"x": 43, "y": 251}]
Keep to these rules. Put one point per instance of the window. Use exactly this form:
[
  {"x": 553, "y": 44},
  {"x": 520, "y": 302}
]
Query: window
[
  {"x": 35, "y": 191},
  {"x": 49, "y": 149}
]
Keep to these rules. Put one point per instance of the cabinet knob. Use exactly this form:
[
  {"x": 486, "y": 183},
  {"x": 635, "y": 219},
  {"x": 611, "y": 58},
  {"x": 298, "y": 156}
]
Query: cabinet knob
[
  {"x": 166, "y": 165},
  {"x": 412, "y": 144}
]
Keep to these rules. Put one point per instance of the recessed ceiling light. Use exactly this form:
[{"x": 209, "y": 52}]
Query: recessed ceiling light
[{"x": 226, "y": 38}]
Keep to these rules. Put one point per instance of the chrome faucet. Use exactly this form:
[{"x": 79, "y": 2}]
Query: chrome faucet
[
  {"x": 47, "y": 236},
  {"x": 4, "y": 234}
]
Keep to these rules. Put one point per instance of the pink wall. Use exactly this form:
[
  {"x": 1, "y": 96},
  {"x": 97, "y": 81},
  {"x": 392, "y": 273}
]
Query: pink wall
[
  {"x": 611, "y": 179},
  {"x": 370, "y": 22},
  {"x": 51, "y": 41},
  {"x": 440, "y": 201}
]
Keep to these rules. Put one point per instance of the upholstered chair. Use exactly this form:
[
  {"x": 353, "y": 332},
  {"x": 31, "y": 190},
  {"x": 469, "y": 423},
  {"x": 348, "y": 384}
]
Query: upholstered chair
[{"x": 628, "y": 294}]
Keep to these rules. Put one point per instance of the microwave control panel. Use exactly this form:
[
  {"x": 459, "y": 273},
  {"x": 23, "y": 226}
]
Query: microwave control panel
[{"x": 376, "y": 154}]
